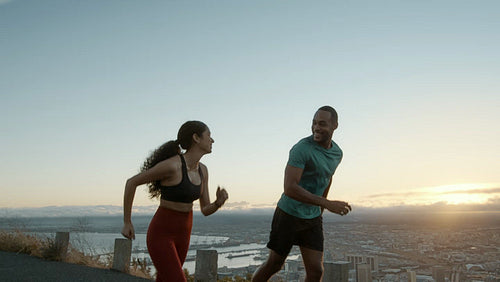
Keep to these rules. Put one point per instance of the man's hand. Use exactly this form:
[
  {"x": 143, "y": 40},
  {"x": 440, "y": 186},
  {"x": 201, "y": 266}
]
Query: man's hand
[{"x": 338, "y": 207}]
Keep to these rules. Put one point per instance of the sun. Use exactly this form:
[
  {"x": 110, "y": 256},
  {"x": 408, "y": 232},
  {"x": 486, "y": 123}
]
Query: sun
[
  {"x": 470, "y": 193},
  {"x": 453, "y": 195},
  {"x": 461, "y": 198}
]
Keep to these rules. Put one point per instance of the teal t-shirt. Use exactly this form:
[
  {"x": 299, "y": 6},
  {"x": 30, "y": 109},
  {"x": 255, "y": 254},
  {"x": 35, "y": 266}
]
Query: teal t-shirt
[{"x": 318, "y": 166}]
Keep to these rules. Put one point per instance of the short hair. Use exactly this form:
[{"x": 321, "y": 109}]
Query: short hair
[{"x": 333, "y": 113}]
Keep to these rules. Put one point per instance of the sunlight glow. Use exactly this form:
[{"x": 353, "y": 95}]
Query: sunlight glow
[
  {"x": 460, "y": 187},
  {"x": 460, "y": 198},
  {"x": 456, "y": 194},
  {"x": 468, "y": 193}
]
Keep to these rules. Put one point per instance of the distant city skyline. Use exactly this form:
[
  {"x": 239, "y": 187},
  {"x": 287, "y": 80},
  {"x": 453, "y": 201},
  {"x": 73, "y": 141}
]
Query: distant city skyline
[{"x": 90, "y": 88}]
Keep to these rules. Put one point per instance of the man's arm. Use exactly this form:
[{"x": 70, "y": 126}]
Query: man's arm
[
  {"x": 327, "y": 190},
  {"x": 325, "y": 194},
  {"x": 298, "y": 193}
]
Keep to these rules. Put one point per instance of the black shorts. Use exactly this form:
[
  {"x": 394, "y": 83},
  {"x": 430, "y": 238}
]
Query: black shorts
[{"x": 288, "y": 230}]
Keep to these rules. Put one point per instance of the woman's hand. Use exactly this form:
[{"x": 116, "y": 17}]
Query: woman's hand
[
  {"x": 128, "y": 231},
  {"x": 222, "y": 196}
]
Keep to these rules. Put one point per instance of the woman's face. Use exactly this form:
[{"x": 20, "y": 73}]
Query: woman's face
[{"x": 206, "y": 141}]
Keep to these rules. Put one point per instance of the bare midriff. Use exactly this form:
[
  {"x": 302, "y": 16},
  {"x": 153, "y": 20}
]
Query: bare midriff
[{"x": 176, "y": 206}]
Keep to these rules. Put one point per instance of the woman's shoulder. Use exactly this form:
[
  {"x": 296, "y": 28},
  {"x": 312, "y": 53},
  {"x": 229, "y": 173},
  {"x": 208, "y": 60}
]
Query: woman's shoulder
[
  {"x": 204, "y": 168},
  {"x": 171, "y": 164}
]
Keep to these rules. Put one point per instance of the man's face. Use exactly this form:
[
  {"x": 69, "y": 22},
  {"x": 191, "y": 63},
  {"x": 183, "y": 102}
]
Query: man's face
[{"x": 323, "y": 127}]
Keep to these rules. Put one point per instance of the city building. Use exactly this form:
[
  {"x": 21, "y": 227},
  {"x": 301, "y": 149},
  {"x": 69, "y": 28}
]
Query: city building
[
  {"x": 438, "y": 273},
  {"x": 356, "y": 259},
  {"x": 363, "y": 272},
  {"x": 412, "y": 276}
]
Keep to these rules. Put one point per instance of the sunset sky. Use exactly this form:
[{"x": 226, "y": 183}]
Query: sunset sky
[{"x": 89, "y": 88}]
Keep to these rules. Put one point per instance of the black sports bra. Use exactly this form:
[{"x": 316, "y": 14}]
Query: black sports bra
[{"x": 184, "y": 192}]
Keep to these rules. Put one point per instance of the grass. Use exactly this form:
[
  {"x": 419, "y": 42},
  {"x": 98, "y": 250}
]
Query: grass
[{"x": 46, "y": 248}]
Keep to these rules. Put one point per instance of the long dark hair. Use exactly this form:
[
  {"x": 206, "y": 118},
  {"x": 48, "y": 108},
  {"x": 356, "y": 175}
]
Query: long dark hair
[{"x": 171, "y": 148}]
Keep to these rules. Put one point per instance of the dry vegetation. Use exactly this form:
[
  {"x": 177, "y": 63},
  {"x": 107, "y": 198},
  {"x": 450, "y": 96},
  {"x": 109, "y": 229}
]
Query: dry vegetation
[{"x": 45, "y": 248}]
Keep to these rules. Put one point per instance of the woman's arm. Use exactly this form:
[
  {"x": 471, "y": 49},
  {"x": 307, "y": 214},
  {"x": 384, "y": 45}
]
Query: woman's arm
[
  {"x": 206, "y": 207},
  {"x": 162, "y": 170}
]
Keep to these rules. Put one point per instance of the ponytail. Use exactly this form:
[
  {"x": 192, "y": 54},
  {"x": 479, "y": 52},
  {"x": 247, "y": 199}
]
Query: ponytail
[
  {"x": 165, "y": 151},
  {"x": 172, "y": 148}
]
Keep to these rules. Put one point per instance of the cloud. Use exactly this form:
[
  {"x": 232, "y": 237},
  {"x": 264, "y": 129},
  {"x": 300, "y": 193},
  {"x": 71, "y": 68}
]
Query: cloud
[
  {"x": 110, "y": 210},
  {"x": 492, "y": 205},
  {"x": 384, "y": 195},
  {"x": 76, "y": 211},
  {"x": 431, "y": 199},
  {"x": 474, "y": 193},
  {"x": 243, "y": 205}
]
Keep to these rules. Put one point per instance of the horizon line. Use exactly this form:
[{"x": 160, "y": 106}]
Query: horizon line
[
  {"x": 236, "y": 208},
  {"x": 249, "y": 206}
]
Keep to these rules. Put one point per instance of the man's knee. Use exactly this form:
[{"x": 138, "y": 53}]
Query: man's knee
[
  {"x": 314, "y": 272},
  {"x": 272, "y": 265},
  {"x": 275, "y": 263}
]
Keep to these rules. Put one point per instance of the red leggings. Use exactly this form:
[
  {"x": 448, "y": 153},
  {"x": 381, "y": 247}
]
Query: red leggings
[{"x": 168, "y": 243}]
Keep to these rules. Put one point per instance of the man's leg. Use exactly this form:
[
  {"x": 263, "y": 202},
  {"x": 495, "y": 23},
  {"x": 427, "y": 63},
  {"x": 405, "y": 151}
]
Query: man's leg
[
  {"x": 272, "y": 265},
  {"x": 313, "y": 262}
]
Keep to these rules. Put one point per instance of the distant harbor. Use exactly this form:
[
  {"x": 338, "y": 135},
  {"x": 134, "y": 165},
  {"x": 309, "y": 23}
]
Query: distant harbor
[{"x": 452, "y": 240}]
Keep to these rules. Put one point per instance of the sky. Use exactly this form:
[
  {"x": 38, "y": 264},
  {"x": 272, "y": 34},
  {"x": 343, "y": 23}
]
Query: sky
[{"x": 89, "y": 88}]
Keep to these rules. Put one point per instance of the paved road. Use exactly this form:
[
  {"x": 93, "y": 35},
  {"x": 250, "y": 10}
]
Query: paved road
[{"x": 21, "y": 267}]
